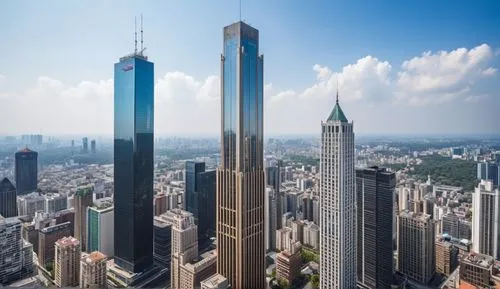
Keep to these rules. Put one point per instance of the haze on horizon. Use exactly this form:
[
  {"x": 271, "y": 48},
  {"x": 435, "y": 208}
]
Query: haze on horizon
[{"x": 423, "y": 68}]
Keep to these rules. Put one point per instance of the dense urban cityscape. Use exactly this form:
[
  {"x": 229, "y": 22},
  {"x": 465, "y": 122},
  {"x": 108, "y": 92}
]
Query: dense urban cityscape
[{"x": 336, "y": 209}]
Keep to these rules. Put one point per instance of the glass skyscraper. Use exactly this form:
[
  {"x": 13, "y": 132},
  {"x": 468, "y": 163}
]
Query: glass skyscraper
[
  {"x": 240, "y": 177},
  {"x": 133, "y": 162},
  {"x": 26, "y": 171},
  {"x": 193, "y": 168}
]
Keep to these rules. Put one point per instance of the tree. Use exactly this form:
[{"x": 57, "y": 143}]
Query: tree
[{"x": 315, "y": 281}]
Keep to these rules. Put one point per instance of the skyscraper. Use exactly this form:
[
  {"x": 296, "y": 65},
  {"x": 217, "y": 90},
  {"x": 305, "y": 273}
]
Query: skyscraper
[
  {"x": 190, "y": 201},
  {"x": 26, "y": 171},
  {"x": 93, "y": 146},
  {"x": 67, "y": 262},
  {"x": 133, "y": 161},
  {"x": 273, "y": 179},
  {"x": 100, "y": 223},
  {"x": 83, "y": 200},
  {"x": 485, "y": 227},
  {"x": 337, "y": 202},
  {"x": 93, "y": 270},
  {"x": 206, "y": 184},
  {"x": 375, "y": 191},
  {"x": 8, "y": 201},
  {"x": 85, "y": 145},
  {"x": 240, "y": 177}
]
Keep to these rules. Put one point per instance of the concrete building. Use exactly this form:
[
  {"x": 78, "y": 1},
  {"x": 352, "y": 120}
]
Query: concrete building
[
  {"x": 375, "y": 199},
  {"x": 30, "y": 203},
  {"x": 298, "y": 231},
  {"x": 283, "y": 238},
  {"x": 416, "y": 248},
  {"x": 93, "y": 270},
  {"x": 67, "y": 262},
  {"x": 16, "y": 255},
  {"x": 270, "y": 218},
  {"x": 485, "y": 220},
  {"x": 83, "y": 200},
  {"x": 198, "y": 269},
  {"x": 55, "y": 202},
  {"x": 446, "y": 256},
  {"x": 476, "y": 270},
  {"x": 47, "y": 238},
  {"x": 311, "y": 235},
  {"x": 449, "y": 224},
  {"x": 338, "y": 248},
  {"x": 8, "y": 202},
  {"x": 240, "y": 176},
  {"x": 216, "y": 281},
  {"x": 160, "y": 203},
  {"x": 100, "y": 228},
  {"x": 288, "y": 263}
]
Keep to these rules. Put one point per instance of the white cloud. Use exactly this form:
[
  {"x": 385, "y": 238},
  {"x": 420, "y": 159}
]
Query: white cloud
[
  {"x": 2, "y": 78},
  {"x": 489, "y": 71}
]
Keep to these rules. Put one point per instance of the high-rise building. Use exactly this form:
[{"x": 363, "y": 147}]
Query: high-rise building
[
  {"x": 162, "y": 241},
  {"x": 8, "y": 201},
  {"x": 197, "y": 270},
  {"x": 46, "y": 240},
  {"x": 160, "y": 203},
  {"x": 241, "y": 177},
  {"x": 270, "y": 218},
  {"x": 133, "y": 159},
  {"x": 67, "y": 262},
  {"x": 273, "y": 179},
  {"x": 485, "y": 226},
  {"x": 26, "y": 171},
  {"x": 85, "y": 145},
  {"x": 450, "y": 224},
  {"x": 93, "y": 146},
  {"x": 193, "y": 168},
  {"x": 337, "y": 202},
  {"x": 416, "y": 249},
  {"x": 288, "y": 263},
  {"x": 16, "y": 255},
  {"x": 29, "y": 204},
  {"x": 489, "y": 171},
  {"x": 83, "y": 199},
  {"x": 206, "y": 184},
  {"x": 55, "y": 202},
  {"x": 446, "y": 256},
  {"x": 93, "y": 270},
  {"x": 375, "y": 198},
  {"x": 100, "y": 227},
  {"x": 311, "y": 235}
]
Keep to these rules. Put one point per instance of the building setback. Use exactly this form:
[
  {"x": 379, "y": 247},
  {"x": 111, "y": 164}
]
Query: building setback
[{"x": 375, "y": 198}]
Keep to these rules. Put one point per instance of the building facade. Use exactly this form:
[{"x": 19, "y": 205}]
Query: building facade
[
  {"x": 67, "y": 262},
  {"x": 375, "y": 199},
  {"x": 273, "y": 179},
  {"x": 241, "y": 177},
  {"x": 446, "y": 256},
  {"x": 133, "y": 159},
  {"x": 83, "y": 199},
  {"x": 162, "y": 242},
  {"x": 270, "y": 219},
  {"x": 288, "y": 263},
  {"x": 485, "y": 220},
  {"x": 206, "y": 184},
  {"x": 47, "y": 237},
  {"x": 93, "y": 271},
  {"x": 26, "y": 171},
  {"x": 416, "y": 249},
  {"x": 8, "y": 200},
  {"x": 193, "y": 168},
  {"x": 337, "y": 202},
  {"x": 100, "y": 227}
]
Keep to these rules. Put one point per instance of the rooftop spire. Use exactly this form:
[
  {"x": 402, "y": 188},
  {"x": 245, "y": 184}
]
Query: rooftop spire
[
  {"x": 135, "y": 33},
  {"x": 337, "y": 100}
]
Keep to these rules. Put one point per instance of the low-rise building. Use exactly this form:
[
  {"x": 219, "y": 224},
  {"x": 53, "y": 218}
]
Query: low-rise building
[
  {"x": 93, "y": 270},
  {"x": 288, "y": 263}
]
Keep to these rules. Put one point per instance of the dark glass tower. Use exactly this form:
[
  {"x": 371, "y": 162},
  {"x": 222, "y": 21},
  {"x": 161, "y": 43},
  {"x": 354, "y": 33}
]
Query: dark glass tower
[
  {"x": 133, "y": 162},
  {"x": 375, "y": 195},
  {"x": 8, "y": 204},
  {"x": 273, "y": 177},
  {"x": 26, "y": 171},
  {"x": 192, "y": 170},
  {"x": 206, "y": 183},
  {"x": 240, "y": 177}
]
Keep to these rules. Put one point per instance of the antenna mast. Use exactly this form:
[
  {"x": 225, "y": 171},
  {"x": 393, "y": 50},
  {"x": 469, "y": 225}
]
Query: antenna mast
[
  {"x": 240, "y": 10},
  {"x": 337, "y": 89},
  {"x": 142, "y": 39},
  {"x": 135, "y": 31}
]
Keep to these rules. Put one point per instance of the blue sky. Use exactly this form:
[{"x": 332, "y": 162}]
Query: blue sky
[{"x": 57, "y": 62}]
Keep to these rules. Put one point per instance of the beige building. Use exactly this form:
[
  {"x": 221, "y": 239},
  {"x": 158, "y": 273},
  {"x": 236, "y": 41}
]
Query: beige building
[
  {"x": 446, "y": 256},
  {"x": 288, "y": 263},
  {"x": 216, "y": 281},
  {"x": 197, "y": 270},
  {"x": 83, "y": 200},
  {"x": 416, "y": 248},
  {"x": 93, "y": 270},
  {"x": 67, "y": 262},
  {"x": 284, "y": 238}
]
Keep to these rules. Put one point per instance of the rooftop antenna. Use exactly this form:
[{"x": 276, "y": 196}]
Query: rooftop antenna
[
  {"x": 135, "y": 31},
  {"x": 142, "y": 39},
  {"x": 337, "y": 90},
  {"x": 240, "y": 10}
]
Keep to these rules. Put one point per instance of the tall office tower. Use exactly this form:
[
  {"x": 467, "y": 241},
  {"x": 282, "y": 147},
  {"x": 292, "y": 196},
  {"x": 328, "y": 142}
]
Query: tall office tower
[
  {"x": 337, "y": 202},
  {"x": 16, "y": 255},
  {"x": 26, "y": 171},
  {"x": 46, "y": 240},
  {"x": 8, "y": 201},
  {"x": 93, "y": 270},
  {"x": 489, "y": 171},
  {"x": 464, "y": 229},
  {"x": 162, "y": 242},
  {"x": 416, "y": 250},
  {"x": 206, "y": 184},
  {"x": 92, "y": 146},
  {"x": 273, "y": 179},
  {"x": 190, "y": 201},
  {"x": 83, "y": 200},
  {"x": 184, "y": 242},
  {"x": 85, "y": 145},
  {"x": 485, "y": 227},
  {"x": 375, "y": 190},
  {"x": 133, "y": 159},
  {"x": 100, "y": 227},
  {"x": 270, "y": 219},
  {"x": 67, "y": 262},
  {"x": 241, "y": 177}
]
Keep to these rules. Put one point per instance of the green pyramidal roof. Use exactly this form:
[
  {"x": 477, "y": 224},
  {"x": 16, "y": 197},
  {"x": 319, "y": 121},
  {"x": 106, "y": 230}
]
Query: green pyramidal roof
[{"x": 337, "y": 114}]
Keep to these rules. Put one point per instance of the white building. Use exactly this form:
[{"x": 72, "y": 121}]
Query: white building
[
  {"x": 337, "y": 203},
  {"x": 100, "y": 228},
  {"x": 311, "y": 235},
  {"x": 486, "y": 207},
  {"x": 93, "y": 270}
]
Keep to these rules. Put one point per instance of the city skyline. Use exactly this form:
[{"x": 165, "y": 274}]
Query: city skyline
[{"x": 407, "y": 68}]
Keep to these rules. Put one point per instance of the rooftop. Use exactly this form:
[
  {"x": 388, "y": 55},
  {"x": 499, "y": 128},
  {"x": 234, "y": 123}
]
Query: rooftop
[
  {"x": 67, "y": 241},
  {"x": 480, "y": 260},
  {"x": 94, "y": 257},
  {"x": 337, "y": 114},
  {"x": 25, "y": 150},
  {"x": 6, "y": 186},
  {"x": 213, "y": 281}
]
